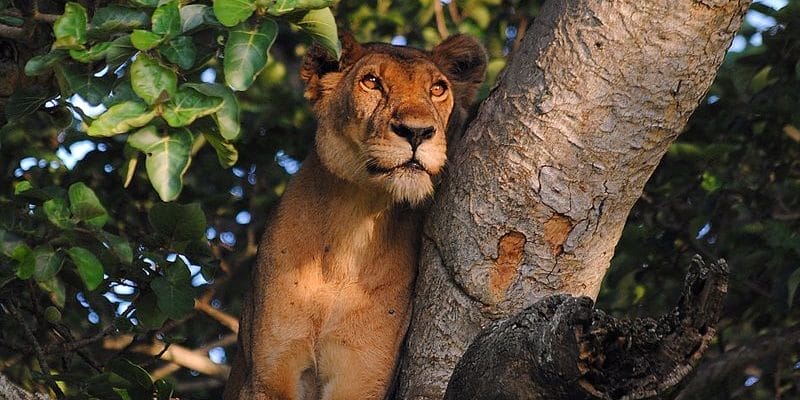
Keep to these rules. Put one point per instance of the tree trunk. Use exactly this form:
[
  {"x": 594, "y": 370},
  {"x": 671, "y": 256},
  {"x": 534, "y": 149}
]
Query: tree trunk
[{"x": 543, "y": 180}]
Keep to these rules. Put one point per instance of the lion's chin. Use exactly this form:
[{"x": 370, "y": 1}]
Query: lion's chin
[{"x": 412, "y": 186}]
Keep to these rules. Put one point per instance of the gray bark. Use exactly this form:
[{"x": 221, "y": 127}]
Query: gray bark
[{"x": 541, "y": 184}]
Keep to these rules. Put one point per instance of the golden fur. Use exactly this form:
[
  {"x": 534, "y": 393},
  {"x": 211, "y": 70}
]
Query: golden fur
[{"x": 330, "y": 299}]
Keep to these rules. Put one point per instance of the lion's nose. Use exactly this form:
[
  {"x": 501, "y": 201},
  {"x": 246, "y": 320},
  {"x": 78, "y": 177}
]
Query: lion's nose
[{"x": 414, "y": 134}]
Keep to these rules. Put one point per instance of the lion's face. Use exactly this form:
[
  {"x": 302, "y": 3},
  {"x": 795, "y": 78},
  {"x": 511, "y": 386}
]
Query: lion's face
[{"x": 383, "y": 111}]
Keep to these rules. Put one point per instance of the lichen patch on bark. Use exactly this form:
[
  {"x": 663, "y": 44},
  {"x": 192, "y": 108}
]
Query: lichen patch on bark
[
  {"x": 510, "y": 253},
  {"x": 556, "y": 231}
]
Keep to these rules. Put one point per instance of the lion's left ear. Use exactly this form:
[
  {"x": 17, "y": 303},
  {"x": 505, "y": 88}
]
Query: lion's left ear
[{"x": 463, "y": 60}]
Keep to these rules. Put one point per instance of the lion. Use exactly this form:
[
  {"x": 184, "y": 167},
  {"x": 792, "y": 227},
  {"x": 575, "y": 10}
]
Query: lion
[{"x": 331, "y": 291}]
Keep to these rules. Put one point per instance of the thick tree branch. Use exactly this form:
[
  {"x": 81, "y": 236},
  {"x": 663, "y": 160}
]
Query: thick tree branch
[
  {"x": 174, "y": 353},
  {"x": 541, "y": 184},
  {"x": 560, "y": 348}
]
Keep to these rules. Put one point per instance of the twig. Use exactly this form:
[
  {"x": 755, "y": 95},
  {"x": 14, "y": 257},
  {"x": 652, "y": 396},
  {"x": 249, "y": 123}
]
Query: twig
[
  {"x": 441, "y": 25},
  {"x": 454, "y": 14},
  {"x": 172, "y": 367},
  {"x": 175, "y": 353},
  {"x": 37, "y": 348},
  {"x": 223, "y": 318}
]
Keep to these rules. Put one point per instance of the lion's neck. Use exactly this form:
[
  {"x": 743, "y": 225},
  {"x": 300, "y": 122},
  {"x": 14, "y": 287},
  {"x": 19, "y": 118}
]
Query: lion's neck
[{"x": 343, "y": 224}]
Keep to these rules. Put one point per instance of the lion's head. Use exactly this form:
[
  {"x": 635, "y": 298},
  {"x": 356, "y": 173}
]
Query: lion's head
[{"x": 383, "y": 110}]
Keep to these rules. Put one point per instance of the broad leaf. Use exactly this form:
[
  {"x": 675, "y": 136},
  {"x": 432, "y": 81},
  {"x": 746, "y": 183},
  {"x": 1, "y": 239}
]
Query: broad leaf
[
  {"x": 46, "y": 264},
  {"x": 89, "y": 267},
  {"x": 145, "y": 40},
  {"x": 189, "y": 105},
  {"x": 121, "y": 118},
  {"x": 27, "y": 261},
  {"x": 95, "y": 53},
  {"x": 180, "y": 51},
  {"x": 152, "y": 81},
  {"x": 168, "y": 158},
  {"x": 70, "y": 27},
  {"x": 178, "y": 222},
  {"x": 85, "y": 205},
  {"x": 76, "y": 79},
  {"x": 226, "y": 151},
  {"x": 232, "y": 12},
  {"x": 166, "y": 20},
  {"x": 321, "y": 25},
  {"x": 195, "y": 15},
  {"x": 227, "y": 118},
  {"x": 57, "y": 212},
  {"x": 114, "y": 19},
  {"x": 25, "y": 101},
  {"x": 280, "y": 7},
  {"x": 145, "y": 3},
  {"x": 118, "y": 246},
  {"x": 174, "y": 290},
  {"x": 246, "y": 53},
  {"x": 120, "y": 51},
  {"x": 55, "y": 288},
  {"x": 43, "y": 63},
  {"x": 147, "y": 312},
  {"x": 131, "y": 372}
]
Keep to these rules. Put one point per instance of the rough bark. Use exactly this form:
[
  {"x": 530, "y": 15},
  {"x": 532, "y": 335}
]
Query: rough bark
[
  {"x": 542, "y": 182},
  {"x": 10, "y": 391},
  {"x": 560, "y": 348}
]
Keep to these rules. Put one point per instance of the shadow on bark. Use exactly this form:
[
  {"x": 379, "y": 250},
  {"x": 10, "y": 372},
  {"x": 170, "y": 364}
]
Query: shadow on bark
[{"x": 562, "y": 348}]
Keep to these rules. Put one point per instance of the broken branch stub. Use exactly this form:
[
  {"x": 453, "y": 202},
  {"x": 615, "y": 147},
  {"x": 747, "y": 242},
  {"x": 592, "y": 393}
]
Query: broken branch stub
[{"x": 561, "y": 348}]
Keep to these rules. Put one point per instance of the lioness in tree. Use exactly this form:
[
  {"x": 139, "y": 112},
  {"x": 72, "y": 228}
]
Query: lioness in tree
[{"x": 331, "y": 291}]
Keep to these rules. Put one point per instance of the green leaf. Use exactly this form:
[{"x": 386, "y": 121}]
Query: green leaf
[
  {"x": 710, "y": 182},
  {"x": 164, "y": 389},
  {"x": 46, "y": 264},
  {"x": 166, "y": 20},
  {"x": 227, "y": 118},
  {"x": 180, "y": 51},
  {"x": 115, "y": 19},
  {"x": 131, "y": 372},
  {"x": 145, "y": 40},
  {"x": 57, "y": 212},
  {"x": 120, "y": 51},
  {"x": 40, "y": 64},
  {"x": 167, "y": 160},
  {"x": 55, "y": 288},
  {"x": 27, "y": 261},
  {"x": 195, "y": 15},
  {"x": 321, "y": 25},
  {"x": 85, "y": 205},
  {"x": 118, "y": 246},
  {"x": 178, "y": 222},
  {"x": 70, "y": 27},
  {"x": 793, "y": 283},
  {"x": 121, "y": 118},
  {"x": 145, "y": 3},
  {"x": 89, "y": 267},
  {"x": 232, "y": 12},
  {"x": 25, "y": 101},
  {"x": 11, "y": 20},
  {"x": 22, "y": 187},
  {"x": 226, "y": 151},
  {"x": 152, "y": 81},
  {"x": 246, "y": 53},
  {"x": 148, "y": 313},
  {"x": 189, "y": 105},
  {"x": 76, "y": 79},
  {"x": 174, "y": 290},
  {"x": 280, "y": 7},
  {"x": 95, "y": 53}
]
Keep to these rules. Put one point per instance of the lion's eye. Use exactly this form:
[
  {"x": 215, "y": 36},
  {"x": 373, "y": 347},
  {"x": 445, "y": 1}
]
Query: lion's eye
[
  {"x": 438, "y": 89},
  {"x": 371, "y": 82}
]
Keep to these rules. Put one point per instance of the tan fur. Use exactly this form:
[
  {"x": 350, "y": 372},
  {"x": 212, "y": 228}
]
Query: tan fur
[{"x": 330, "y": 299}]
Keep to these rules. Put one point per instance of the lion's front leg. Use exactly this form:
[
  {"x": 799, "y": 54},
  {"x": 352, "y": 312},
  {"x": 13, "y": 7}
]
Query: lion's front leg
[
  {"x": 276, "y": 354},
  {"x": 357, "y": 358}
]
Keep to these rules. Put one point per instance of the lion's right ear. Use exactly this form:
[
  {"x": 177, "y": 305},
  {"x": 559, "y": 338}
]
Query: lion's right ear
[
  {"x": 463, "y": 59},
  {"x": 319, "y": 62}
]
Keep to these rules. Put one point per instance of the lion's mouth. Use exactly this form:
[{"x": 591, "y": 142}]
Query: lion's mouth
[{"x": 410, "y": 165}]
